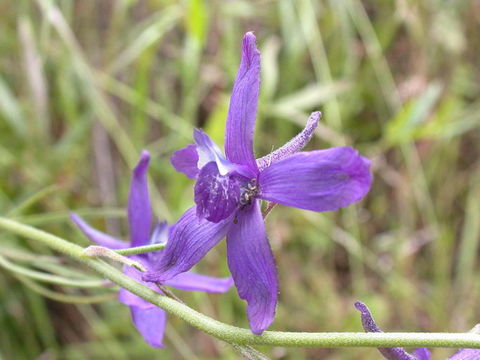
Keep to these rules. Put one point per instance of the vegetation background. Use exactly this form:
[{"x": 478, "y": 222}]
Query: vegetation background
[{"x": 85, "y": 85}]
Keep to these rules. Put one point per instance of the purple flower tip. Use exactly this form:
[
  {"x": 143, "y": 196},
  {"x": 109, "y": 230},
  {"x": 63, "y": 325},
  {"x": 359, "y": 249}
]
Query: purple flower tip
[
  {"x": 142, "y": 162},
  {"x": 250, "y": 45},
  {"x": 360, "y": 306}
]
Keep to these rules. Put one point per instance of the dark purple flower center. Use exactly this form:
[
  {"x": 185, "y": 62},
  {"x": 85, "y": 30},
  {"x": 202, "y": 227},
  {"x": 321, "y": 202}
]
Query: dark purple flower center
[
  {"x": 248, "y": 192},
  {"x": 219, "y": 196}
]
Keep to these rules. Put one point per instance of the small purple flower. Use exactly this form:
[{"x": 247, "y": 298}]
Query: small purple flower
[
  {"x": 229, "y": 188},
  {"x": 397, "y": 353},
  {"x": 149, "y": 320}
]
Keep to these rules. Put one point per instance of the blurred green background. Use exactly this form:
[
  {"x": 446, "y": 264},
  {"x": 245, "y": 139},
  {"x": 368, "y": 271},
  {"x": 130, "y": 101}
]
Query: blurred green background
[{"x": 85, "y": 85}]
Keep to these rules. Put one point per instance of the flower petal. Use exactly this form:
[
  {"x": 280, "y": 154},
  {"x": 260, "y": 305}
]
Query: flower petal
[
  {"x": 208, "y": 151},
  {"x": 188, "y": 242},
  {"x": 129, "y": 299},
  {"x": 294, "y": 145},
  {"x": 422, "y": 354},
  {"x": 185, "y": 161},
  {"x": 159, "y": 233},
  {"x": 216, "y": 196},
  {"x": 243, "y": 106},
  {"x": 466, "y": 354},
  {"x": 139, "y": 210},
  {"x": 97, "y": 236},
  {"x": 320, "y": 180},
  {"x": 196, "y": 282},
  {"x": 150, "y": 323},
  {"x": 252, "y": 265},
  {"x": 369, "y": 325}
]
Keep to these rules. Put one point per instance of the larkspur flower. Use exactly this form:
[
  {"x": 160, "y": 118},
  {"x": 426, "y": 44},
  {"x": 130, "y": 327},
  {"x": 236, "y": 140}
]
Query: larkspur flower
[
  {"x": 229, "y": 188},
  {"x": 149, "y": 320},
  {"x": 397, "y": 353}
]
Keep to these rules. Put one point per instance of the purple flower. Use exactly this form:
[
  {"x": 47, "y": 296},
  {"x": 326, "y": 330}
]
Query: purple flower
[
  {"x": 149, "y": 320},
  {"x": 399, "y": 353},
  {"x": 229, "y": 188}
]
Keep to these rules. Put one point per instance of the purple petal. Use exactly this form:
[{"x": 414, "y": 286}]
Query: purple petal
[
  {"x": 97, "y": 236},
  {"x": 159, "y": 236},
  {"x": 243, "y": 106},
  {"x": 129, "y": 299},
  {"x": 139, "y": 210},
  {"x": 196, "y": 282},
  {"x": 185, "y": 161},
  {"x": 151, "y": 324},
  {"x": 208, "y": 152},
  {"x": 216, "y": 196},
  {"x": 369, "y": 325},
  {"x": 188, "y": 242},
  {"x": 466, "y": 354},
  {"x": 294, "y": 145},
  {"x": 159, "y": 233},
  {"x": 422, "y": 354},
  {"x": 251, "y": 263},
  {"x": 320, "y": 180}
]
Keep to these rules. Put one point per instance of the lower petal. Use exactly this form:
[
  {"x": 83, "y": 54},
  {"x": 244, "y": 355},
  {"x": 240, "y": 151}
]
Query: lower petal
[
  {"x": 129, "y": 299},
  {"x": 97, "y": 236},
  {"x": 151, "y": 324},
  {"x": 188, "y": 242},
  {"x": 196, "y": 282},
  {"x": 251, "y": 262},
  {"x": 422, "y": 354},
  {"x": 466, "y": 354},
  {"x": 321, "y": 180},
  {"x": 216, "y": 195}
]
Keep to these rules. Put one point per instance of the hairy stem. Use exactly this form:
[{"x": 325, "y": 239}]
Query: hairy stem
[
  {"x": 141, "y": 249},
  {"x": 234, "y": 334}
]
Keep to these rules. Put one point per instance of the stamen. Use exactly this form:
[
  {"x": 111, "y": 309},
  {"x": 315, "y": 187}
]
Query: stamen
[{"x": 249, "y": 192}]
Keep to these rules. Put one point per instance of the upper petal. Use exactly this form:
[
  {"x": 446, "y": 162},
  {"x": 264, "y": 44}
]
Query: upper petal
[
  {"x": 320, "y": 180},
  {"x": 243, "y": 106},
  {"x": 196, "y": 282},
  {"x": 208, "y": 152},
  {"x": 139, "y": 210},
  {"x": 159, "y": 236},
  {"x": 185, "y": 161},
  {"x": 252, "y": 265},
  {"x": 188, "y": 242},
  {"x": 369, "y": 325},
  {"x": 159, "y": 233},
  {"x": 294, "y": 145},
  {"x": 150, "y": 323},
  {"x": 97, "y": 236}
]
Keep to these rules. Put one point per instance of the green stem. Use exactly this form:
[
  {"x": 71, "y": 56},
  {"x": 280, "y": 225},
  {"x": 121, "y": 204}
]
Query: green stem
[
  {"x": 140, "y": 249},
  {"x": 50, "y": 278},
  {"x": 71, "y": 299},
  {"x": 237, "y": 335}
]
